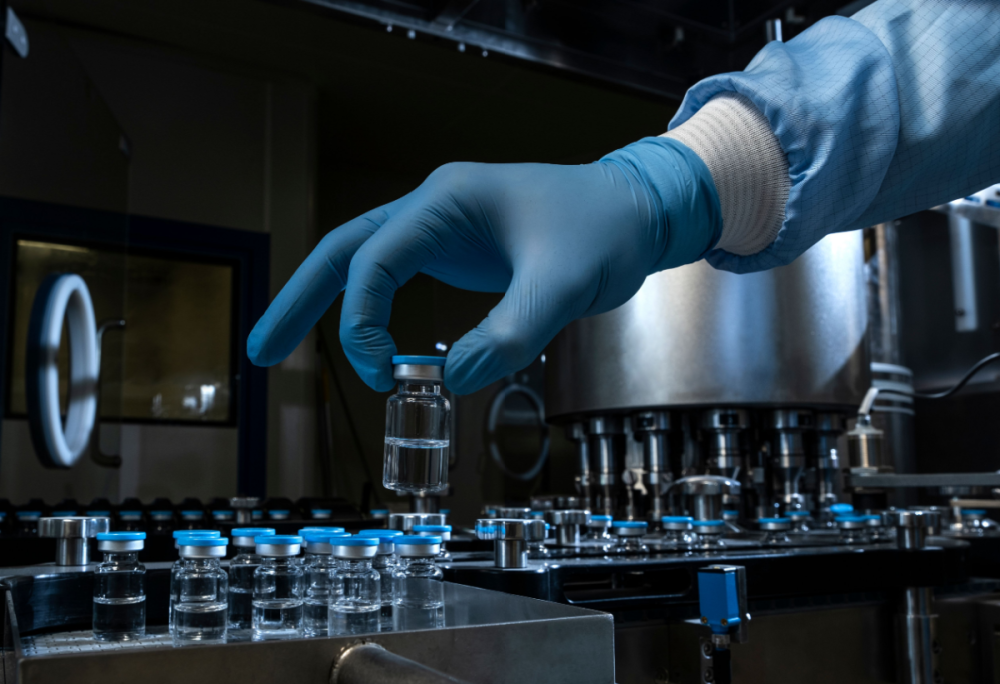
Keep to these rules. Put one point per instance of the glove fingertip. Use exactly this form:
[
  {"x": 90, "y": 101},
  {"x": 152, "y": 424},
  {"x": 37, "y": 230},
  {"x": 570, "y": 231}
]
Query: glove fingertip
[{"x": 258, "y": 349}]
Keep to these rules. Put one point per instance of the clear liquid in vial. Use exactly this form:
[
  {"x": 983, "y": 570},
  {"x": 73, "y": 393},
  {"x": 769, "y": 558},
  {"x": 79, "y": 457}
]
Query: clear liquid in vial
[
  {"x": 277, "y": 619},
  {"x": 415, "y": 465},
  {"x": 200, "y": 622},
  {"x": 360, "y": 620},
  {"x": 240, "y": 611},
  {"x": 316, "y": 616},
  {"x": 119, "y": 619}
]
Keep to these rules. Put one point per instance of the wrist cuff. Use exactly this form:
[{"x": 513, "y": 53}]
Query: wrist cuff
[{"x": 748, "y": 166}]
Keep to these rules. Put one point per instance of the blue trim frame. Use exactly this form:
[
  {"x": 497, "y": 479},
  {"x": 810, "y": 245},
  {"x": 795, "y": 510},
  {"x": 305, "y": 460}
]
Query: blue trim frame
[{"x": 249, "y": 250}]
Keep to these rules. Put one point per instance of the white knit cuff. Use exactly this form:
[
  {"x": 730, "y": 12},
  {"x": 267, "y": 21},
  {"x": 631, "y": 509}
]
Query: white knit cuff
[{"x": 748, "y": 166}]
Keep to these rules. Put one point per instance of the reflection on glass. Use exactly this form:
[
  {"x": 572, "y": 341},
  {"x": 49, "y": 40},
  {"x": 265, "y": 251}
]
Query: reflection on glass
[
  {"x": 405, "y": 618},
  {"x": 173, "y": 360}
]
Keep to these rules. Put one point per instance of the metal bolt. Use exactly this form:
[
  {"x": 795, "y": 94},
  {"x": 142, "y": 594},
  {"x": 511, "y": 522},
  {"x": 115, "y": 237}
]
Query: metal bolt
[
  {"x": 704, "y": 620},
  {"x": 707, "y": 649},
  {"x": 709, "y": 675},
  {"x": 724, "y": 622}
]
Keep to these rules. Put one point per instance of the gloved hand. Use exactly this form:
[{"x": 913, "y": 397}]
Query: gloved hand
[{"x": 561, "y": 241}]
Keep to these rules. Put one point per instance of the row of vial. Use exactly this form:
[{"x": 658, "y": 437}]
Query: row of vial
[
  {"x": 684, "y": 532},
  {"x": 320, "y": 582}
]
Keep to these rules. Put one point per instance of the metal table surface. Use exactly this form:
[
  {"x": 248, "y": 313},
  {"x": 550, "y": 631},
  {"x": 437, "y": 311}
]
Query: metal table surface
[{"x": 483, "y": 636}]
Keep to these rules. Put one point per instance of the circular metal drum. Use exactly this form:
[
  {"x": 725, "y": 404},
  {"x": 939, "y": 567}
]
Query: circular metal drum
[{"x": 696, "y": 336}]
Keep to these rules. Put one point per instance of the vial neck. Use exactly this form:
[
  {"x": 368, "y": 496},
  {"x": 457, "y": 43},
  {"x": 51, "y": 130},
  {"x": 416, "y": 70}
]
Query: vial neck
[
  {"x": 355, "y": 563},
  {"x": 201, "y": 563},
  {"x": 414, "y": 561},
  {"x": 122, "y": 558},
  {"x": 419, "y": 387},
  {"x": 279, "y": 561}
]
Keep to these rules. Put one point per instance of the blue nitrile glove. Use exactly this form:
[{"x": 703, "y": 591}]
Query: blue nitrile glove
[{"x": 562, "y": 241}]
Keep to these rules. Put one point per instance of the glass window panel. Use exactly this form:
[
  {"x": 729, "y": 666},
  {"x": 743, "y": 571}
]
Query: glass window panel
[{"x": 174, "y": 359}]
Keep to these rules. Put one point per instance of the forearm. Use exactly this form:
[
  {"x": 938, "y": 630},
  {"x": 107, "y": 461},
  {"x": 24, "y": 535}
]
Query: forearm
[{"x": 875, "y": 117}]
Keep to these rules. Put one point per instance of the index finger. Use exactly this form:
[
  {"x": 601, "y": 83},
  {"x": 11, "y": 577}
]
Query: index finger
[{"x": 311, "y": 289}]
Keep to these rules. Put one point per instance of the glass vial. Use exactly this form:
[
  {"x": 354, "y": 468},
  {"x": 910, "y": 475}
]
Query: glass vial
[
  {"x": 161, "y": 523},
  {"x": 120, "y": 588},
  {"x": 178, "y": 536},
  {"x": 278, "y": 588},
  {"x": 708, "y": 534},
  {"x": 801, "y": 521},
  {"x": 417, "y": 581},
  {"x": 597, "y": 529},
  {"x": 318, "y": 565},
  {"x": 356, "y": 605},
  {"x": 537, "y": 549},
  {"x": 385, "y": 562},
  {"x": 975, "y": 523},
  {"x": 628, "y": 536},
  {"x": 417, "y": 427},
  {"x": 417, "y": 584},
  {"x": 775, "y": 530},
  {"x": 677, "y": 531},
  {"x": 241, "y": 570},
  {"x": 131, "y": 521},
  {"x": 201, "y": 607},
  {"x": 443, "y": 531},
  {"x": 853, "y": 529}
]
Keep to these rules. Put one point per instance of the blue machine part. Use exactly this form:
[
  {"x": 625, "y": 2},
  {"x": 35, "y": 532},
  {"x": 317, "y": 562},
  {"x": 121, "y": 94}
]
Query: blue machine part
[{"x": 718, "y": 595}]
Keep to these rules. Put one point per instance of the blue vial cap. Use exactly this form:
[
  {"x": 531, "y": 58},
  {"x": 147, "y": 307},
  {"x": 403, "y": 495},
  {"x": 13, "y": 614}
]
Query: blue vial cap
[
  {"x": 29, "y": 514},
  {"x": 321, "y": 511},
  {"x": 379, "y": 534},
  {"x": 380, "y": 511},
  {"x": 849, "y": 518},
  {"x": 192, "y": 513},
  {"x": 279, "y": 511},
  {"x": 972, "y": 198},
  {"x": 222, "y": 512},
  {"x": 841, "y": 508},
  {"x": 355, "y": 541},
  {"x": 993, "y": 203},
  {"x": 871, "y": 517},
  {"x": 63, "y": 514},
  {"x": 120, "y": 536},
  {"x": 432, "y": 528},
  {"x": 413, "y": 540},
  {"x": 278, "y": 539},
  {"x": 209, "y": 534},
  {"x": 445, "y": 511},
  {"x": 600, "y": 517},
  {"x": 630, "y": 523},
  {"x": 798, "y": 514},
  {"x": 773, "y": 520},
  {"x": 99, "y": 514},
  {"x": 202, "y": 541},
  {"x": 250, "y": 531},
  {"x": 973, "y": 511},
  {"x": 418, "y": 361},
  {"x": 322, "y": 537},
  {"x": 161, "y": 512},
  {"x": 129, "y": 512},
  {"x": 323, "y": 530},
  {"x": 708, "y": 523},
  {"x": 676, "y": 519}
]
